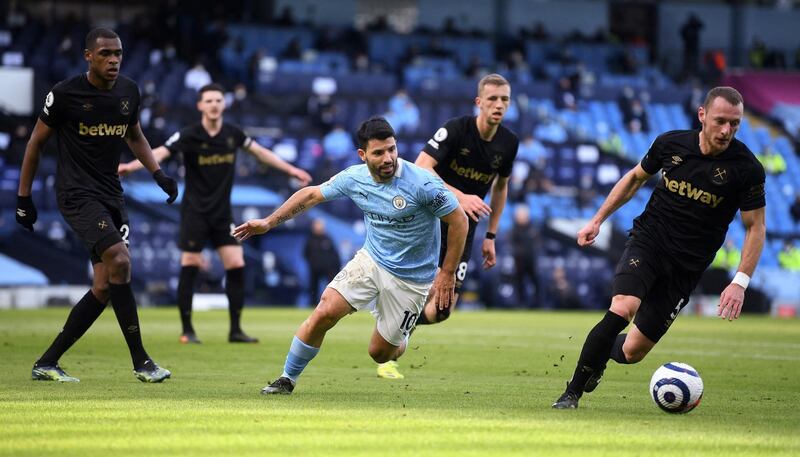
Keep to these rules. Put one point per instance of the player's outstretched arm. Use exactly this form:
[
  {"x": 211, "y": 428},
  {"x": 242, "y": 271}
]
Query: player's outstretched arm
[
  {"x": 732, "y": 298},
  {"x": 141, "y": 149},
  {"x": 268, "y": 157},
  {"x": 444, "y": 283},
  {"x": 622, "y": 191},
  {"x": 26, "y": 211},
  {"x": 301, "y": 201},
  {"x": 473, "y": 205},
  {"x": 497, "y": 202},
  {"x": 160, "y": 153}
]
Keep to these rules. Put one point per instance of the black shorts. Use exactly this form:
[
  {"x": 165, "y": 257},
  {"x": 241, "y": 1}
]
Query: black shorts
[
  {"x": 663, "y": 286},
  {"x": 461, "y": 269},
  {"x": 198, "y": 229},
  {"x": 99, "y": 223}
]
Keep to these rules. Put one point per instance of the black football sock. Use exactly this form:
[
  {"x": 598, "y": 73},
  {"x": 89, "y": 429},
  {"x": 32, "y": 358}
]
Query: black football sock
[
  {"x": 234, "y": 289},
  {"x": 124, "y": 305},
  {"x": 596, "y": 350},
  {"x": 185, "y": 293},
  {"x": 82, "y": 316},
  {"x": 617, "y": 354},
  {"x": 423, "y": 319}
]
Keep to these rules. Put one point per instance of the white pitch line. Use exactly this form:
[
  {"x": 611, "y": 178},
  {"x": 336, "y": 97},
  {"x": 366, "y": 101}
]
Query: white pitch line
[
  {"x": 740, "y": 342},
  {"x": 739, "y": 356}
]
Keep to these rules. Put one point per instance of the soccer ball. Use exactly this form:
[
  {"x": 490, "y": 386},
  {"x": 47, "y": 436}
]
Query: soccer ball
[{"x": 676, "y": 387}]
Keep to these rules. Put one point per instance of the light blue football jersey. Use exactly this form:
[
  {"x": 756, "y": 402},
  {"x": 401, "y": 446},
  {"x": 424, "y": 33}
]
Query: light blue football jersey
[{"x": 401, "y": 216}]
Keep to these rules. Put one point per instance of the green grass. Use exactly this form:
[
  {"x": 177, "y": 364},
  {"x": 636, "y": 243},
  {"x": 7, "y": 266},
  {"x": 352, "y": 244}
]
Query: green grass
[{"x": 481, "y": 384}]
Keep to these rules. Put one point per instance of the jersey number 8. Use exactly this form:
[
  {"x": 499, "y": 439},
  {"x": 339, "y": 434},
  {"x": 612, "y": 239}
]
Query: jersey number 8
[{"x": 461, "y": 272}]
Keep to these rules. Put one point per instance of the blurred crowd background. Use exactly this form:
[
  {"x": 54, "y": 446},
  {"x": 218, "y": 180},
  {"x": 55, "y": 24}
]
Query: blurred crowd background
[{"x": 593, "y": 83}]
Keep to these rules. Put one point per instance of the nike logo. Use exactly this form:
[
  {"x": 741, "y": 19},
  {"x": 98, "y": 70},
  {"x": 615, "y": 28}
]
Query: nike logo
[
  {"x": 363, "y": 195},
  {"x": 20, "y": 212}
]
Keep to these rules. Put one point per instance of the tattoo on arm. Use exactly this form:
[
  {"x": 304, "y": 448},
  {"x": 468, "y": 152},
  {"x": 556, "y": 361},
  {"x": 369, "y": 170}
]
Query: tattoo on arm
[{"x": 299, "y": 209}]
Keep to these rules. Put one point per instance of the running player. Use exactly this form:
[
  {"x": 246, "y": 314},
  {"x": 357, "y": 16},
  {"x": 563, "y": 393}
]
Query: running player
[
  {"x": 707, "y": 177},
  {"x": 472, "y": 154},
  {"x": 402, "y": 205}
]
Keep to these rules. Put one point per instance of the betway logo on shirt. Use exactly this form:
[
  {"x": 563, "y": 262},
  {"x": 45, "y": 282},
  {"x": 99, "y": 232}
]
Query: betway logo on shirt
[
  {"x": 216, "y": 159},
  {"x": 102, "y": 129},
  {"x": 686, "y": 189},
  {"x": 471, "y": 173}
]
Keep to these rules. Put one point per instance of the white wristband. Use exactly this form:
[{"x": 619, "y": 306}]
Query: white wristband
[{"x": 741, "y": 279}]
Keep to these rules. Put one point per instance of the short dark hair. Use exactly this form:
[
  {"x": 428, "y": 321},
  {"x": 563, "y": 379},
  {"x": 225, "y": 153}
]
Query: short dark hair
[
  {"x": 213, "y": 87},
  {"x": 99, "y": 32},
  {"x": 374, "y": 128},
  {"x": 730, "y": 95}
]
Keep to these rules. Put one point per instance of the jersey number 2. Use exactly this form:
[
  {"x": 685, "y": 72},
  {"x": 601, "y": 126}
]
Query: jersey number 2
[{"x": 124, "y": 232}]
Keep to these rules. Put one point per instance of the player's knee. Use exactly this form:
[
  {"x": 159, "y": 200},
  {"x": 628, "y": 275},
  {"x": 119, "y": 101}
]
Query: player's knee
[
  {"x": 323, "y": 317},
  {"x": 625, "y": 306},
  {"x": 321, "y": 320},
  {"x": 101, "y": 292},
  {"x": 119, "y": 263}
]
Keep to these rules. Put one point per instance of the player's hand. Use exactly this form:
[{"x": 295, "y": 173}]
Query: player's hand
[
  {"x": 730, "y": 302},
  {"x": 300, "y": 175},
  {"x": 487, "y": 249},
  {"x": 443, "y": 289},
  {"x": 26, "y": 212},
  {"x": 167, "y": 184},
  {"x": 588, "y": 233},
  {"x": 250, "y": 228},
  {"x": 123, "y": 169},
  {"x": 474, "y": 206}
]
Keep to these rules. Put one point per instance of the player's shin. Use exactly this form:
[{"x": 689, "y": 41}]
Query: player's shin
[
  {"x": 234, "y": 289},
  {"x": 298, "y": 357},
  {"x": 185, "y": 293},
  {"x": 82, "y": 316},
  {"x": 596, "y": 351},
  {"x": 124, "y": 305}
]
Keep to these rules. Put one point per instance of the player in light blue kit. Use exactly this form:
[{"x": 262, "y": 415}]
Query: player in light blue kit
[{"x": 402, "y": 205}]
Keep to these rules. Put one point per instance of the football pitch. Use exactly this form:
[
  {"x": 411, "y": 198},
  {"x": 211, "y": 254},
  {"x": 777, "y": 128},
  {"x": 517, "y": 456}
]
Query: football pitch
[{"x": 480, "y": 384}]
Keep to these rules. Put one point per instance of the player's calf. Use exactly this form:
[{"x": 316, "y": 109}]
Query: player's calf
[
  {"x": 631, "y": 347},
  {"x": 383, "y": 352}
]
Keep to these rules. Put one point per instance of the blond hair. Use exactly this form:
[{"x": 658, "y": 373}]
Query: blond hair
[{"x": 493, "y": 79}]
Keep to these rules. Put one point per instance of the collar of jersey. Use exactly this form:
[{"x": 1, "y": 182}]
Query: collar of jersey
[{"x": 399, "y": 171}]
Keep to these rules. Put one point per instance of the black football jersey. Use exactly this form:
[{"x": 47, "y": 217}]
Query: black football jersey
[
  {"x": 90, "y": 126},
  {"x": 210, "y": 166},
  {"x": 697, "y": 196},
  {"x": 466, "y": 161}
]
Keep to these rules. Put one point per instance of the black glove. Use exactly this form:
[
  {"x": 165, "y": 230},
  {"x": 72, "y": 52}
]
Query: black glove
[
  {"x": 167, "y": 184},
  {"x": 26, "y": 212}
]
